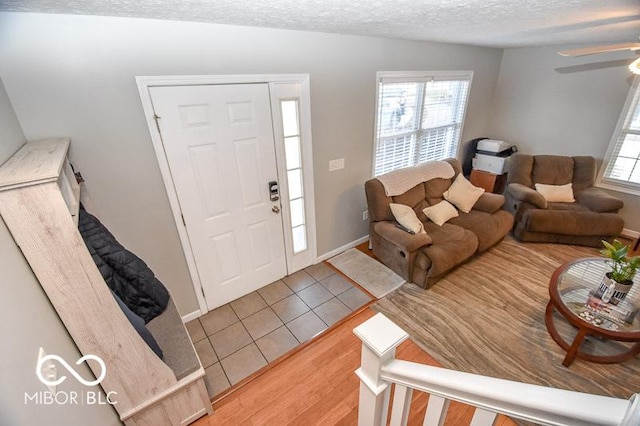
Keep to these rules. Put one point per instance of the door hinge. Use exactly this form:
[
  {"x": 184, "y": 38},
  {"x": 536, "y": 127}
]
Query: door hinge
[
  {"x": 156, "y": 117},
  {"x": 183, "y": 222},
  {"x": 202, "y": 291}
]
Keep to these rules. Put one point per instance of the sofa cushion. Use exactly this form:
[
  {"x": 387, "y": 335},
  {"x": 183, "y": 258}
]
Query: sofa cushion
[
  {"x": 406, "y": 217},
  {"x": 573, "y": 222},
  {"x": 584, "y": 173},
  {"x": 451, "y": 246},
  {"x": 489, "y": 228},
  {"x": 463, "y": 194},
  {"x": 556, "y": 193},
  {"x": 574, "y": 207},
  {"x": 489, "y": 203},
  {"x": 411, "y": 197},
  {"x": 520, "y": 170},
  {"x": 434, "y": 189},
  {"x": 552, "y": 169},
  {"x": 441, "y": 212}
]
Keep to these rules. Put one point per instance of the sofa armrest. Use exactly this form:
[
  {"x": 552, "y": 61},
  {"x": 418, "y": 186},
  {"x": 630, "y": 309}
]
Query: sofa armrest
[
  {"x": 402, "y": 239},
  {"x": 599, "y": 201},
  {"x": 489, "y": 203},
  {"x": 526, "y": 194}
]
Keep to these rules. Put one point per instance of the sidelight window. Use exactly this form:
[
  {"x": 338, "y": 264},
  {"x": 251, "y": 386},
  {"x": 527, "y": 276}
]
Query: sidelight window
[{"x": 291, "y": 132}]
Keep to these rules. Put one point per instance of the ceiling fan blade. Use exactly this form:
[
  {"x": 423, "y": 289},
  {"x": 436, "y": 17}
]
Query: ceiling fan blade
[{"x": 600, "y": 49}]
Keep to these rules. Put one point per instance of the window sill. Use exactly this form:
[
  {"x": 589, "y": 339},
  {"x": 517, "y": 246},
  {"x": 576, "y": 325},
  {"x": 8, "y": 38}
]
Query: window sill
[{"x": 618, "y": 188}]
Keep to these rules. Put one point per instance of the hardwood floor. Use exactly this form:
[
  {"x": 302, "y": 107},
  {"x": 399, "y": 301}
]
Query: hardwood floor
[
  {"x": 317, "y": 385},
  {"x": 364, "y": 247}
]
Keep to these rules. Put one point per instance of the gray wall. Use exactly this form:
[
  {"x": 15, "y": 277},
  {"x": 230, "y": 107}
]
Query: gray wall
[
  {"x": 28, "y": 322},
  {"x": 11, "y": 136},
  {"x": 550, "y": 104},
  {"x": 74, "y": 76}
]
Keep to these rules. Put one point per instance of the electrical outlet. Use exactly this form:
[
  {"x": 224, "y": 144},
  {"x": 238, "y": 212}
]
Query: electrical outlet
[
  {"x": 48, "y": 369},
  {"x": 365, "y": 215}
]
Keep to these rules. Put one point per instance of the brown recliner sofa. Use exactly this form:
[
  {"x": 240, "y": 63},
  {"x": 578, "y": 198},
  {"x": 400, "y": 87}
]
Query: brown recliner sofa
[
  {"x": 425, "y": 258},
  {"x": 587, "y": 221}
]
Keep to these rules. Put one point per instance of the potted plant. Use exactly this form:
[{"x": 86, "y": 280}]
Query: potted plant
[{"x": 619, "y": 280}]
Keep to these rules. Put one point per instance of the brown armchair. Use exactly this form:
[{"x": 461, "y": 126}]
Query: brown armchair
[{"x": 591, "y": 218}]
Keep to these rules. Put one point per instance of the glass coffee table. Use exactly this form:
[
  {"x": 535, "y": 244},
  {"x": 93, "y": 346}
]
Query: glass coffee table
[{"x": 598, "y": 332}]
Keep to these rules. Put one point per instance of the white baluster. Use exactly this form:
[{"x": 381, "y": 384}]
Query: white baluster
[
  {"x": 483, "y": 418},
  {"x": 632, "y": 416},
  {"x": 436, "y": 411},
  {"x": 379, "y": 337},
  {"x": 401, "y": 405}
]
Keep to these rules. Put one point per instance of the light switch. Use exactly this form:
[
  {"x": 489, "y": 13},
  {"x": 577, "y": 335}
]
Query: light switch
[{"x": 336, "y": 164}]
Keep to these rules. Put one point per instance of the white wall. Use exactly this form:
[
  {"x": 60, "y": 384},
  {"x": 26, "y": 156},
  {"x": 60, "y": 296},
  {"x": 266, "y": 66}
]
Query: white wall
[
  {"x": 549, "y": 104},
  {"x": 28, "y": 322},
  {"x": 74, "y": 76}
]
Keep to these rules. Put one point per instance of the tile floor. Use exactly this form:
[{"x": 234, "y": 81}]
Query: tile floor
[{"x": 235, "y": 340}]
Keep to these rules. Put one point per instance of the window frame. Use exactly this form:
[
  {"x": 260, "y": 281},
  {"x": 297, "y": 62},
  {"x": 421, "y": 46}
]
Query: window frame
[
  {"x": 417, "y": 76},
  {"x": 621, "y": 127}
]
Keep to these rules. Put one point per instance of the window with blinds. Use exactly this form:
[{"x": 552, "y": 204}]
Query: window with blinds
[
  {"x": 419, "y": 117},
  {"x": 621, "y": 168}
]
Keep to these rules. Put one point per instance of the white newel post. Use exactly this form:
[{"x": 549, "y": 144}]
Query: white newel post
[
  {"x": 632, "y": 416},
  {"x": 380, "y": 337}
]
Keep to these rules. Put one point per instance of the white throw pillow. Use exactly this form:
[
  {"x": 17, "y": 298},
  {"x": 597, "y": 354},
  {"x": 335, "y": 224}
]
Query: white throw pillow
[
  {"x": 441, "y": 212},
  {"x": 407, "y": 218},
  {"x": 556, "y": 193},
  {"x": 463, "y": 194}
]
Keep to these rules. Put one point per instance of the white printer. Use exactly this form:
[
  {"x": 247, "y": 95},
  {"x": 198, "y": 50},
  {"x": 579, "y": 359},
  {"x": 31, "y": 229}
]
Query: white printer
[{"x": 493, "y": 156}]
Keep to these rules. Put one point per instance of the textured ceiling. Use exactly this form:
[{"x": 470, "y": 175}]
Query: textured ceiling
[{"x": 495, "y": 23}]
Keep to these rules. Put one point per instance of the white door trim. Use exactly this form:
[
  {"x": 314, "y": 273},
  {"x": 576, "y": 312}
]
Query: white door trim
[{"x": 145, "y": 82}]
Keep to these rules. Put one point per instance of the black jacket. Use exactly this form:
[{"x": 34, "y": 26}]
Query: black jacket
[{"x": 126, "y": 274}]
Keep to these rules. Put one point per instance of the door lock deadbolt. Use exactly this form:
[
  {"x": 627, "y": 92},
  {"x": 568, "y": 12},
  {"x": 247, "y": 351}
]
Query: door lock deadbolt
[{"x": 274, "y": 191}]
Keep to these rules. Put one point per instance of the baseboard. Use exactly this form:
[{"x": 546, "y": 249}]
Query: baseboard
[
  {"x": 191, "y": 316},
  {"x": 629, "y": 233},
  {"x": 339, "y": 250}
]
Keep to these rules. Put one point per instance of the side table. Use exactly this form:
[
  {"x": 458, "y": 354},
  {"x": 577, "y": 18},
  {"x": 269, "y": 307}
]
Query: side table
[{"x": 489, "y": 181}]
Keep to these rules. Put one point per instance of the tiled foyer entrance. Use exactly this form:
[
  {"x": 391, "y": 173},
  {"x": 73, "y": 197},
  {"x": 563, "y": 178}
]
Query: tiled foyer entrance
[{"x": 237, "y": 339}]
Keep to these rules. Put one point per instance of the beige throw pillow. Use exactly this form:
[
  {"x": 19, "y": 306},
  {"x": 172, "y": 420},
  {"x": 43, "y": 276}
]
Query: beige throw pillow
[
  {"x": 441, "y": 212},
  {"x": 556, "y": 193},
  {"x": 463, "y": 194},
  {"x": 406, "y": 217}
]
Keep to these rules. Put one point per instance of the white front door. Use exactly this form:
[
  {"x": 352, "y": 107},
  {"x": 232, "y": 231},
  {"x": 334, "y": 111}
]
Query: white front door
[{"x": 219, "y": 146}]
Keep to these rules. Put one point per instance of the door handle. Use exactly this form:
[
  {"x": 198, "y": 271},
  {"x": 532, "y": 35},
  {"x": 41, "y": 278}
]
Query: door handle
[{"x": 275, "y": 209}]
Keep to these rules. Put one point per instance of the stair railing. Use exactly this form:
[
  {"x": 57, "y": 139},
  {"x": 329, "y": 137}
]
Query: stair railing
[{"x": 490, "y": 396}]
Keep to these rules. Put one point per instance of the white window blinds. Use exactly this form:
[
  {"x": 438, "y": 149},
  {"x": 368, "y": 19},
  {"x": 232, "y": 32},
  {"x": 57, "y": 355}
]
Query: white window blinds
[
  {"x": 622, "y": 162},
  {"x": 419, "y": 118}
]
